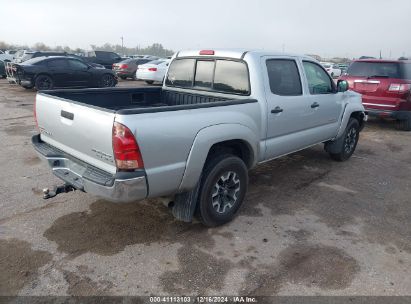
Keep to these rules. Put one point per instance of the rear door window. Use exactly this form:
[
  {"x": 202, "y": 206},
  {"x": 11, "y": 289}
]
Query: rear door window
[
  {"x": 57, "y": 64},
  {"x": 284, "y": 77},
  {"x": 319, "y": 82}
]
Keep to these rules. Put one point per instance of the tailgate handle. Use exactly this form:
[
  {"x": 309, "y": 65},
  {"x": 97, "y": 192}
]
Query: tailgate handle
[{"x": 67, "y": 115}]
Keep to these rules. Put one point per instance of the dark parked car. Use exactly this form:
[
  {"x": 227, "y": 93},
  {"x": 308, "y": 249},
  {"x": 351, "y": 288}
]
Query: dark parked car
[
  {"x": 128, "y": 68},
  {"x": 104, "y": 58},
  {"x": 385, "y": 86},
  {"x": 45, "y": 73}
]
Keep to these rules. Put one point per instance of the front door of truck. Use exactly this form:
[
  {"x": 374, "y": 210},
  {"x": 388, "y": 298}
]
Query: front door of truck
[{"x": 327, "y": 104}]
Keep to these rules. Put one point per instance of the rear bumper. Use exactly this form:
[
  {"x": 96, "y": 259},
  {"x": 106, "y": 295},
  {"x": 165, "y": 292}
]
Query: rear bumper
[
  {"x": 124, "y": 73},
  {"x": 400, "y": 115},
  {"x": 120, "y": 187}
]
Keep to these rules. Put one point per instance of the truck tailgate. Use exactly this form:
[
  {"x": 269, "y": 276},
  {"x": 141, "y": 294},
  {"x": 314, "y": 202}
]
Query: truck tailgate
[{"x": 82, "y": 131}]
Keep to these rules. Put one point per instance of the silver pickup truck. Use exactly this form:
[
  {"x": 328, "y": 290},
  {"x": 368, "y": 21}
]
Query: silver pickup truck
[{"x": 218, "y": 114}]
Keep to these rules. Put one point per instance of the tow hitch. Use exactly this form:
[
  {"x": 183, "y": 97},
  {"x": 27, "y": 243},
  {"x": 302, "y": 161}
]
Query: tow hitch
[{"x": 57, "y": 190}]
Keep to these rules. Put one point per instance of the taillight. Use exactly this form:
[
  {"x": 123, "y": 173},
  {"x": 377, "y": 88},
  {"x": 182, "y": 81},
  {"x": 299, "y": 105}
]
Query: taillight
[
  {"x": 152, "y": 69},
  {"x": 126, "y": 151},
  {"x": 123, "y": 66},
  {"x": 399, "y": 87}
]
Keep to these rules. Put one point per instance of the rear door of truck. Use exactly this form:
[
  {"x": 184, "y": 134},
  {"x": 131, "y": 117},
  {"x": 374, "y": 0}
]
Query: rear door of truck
[{"x": 84, "y": 132}]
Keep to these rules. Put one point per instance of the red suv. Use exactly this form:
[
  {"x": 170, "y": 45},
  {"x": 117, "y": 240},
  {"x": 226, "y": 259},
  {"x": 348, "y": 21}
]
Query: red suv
[{"x": 385, "y": 86}]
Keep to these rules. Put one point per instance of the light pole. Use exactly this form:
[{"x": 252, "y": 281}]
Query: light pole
[{"x": 122, "y": 47}]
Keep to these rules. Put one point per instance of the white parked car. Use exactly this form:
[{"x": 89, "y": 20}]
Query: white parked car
[
  {"x": 5, "y": 57},
  {"x": 332, "y": 69},
  {"x": 153, "y": 71},
  {"x": 144, "y": 57}
]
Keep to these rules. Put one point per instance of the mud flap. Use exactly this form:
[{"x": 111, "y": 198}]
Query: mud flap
[
  {"x": 185, "y": 204},
  {"x": 334, "y": 146}
]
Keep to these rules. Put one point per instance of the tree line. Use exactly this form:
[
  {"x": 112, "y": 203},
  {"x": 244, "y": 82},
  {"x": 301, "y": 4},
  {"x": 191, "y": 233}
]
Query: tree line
[{"x": 156, "y": 49}]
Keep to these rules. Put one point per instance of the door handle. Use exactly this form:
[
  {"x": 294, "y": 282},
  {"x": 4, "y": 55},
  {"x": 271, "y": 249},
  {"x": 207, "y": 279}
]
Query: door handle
[
  {"x": 277, "y": 110},
  {"x": 67, "y": 115},
  {"x": 315, "y": 105}
]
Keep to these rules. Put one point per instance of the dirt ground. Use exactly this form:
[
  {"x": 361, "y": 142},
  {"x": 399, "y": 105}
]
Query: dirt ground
[{"x": 308, "y": 226}]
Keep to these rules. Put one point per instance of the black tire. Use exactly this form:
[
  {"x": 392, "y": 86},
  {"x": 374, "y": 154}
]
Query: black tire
[
  {"x": 224, "y": 181},
  {"x": 107, "y": 81},
  {"x": 149, "y": 81},
  {"x": 28, "y": 87},
  {"x": 43, "y": 82},
  {"x": 350, "y": 141},
  {"x": 404, "y": 125},
  {"x": 123, "y": 77}
]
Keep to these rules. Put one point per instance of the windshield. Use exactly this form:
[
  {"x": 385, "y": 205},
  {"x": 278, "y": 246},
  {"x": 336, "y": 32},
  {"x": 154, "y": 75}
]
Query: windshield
[
  {"x": 375, "y": 69},
  {"x": 27, "y": 56},
  {"x": 33, "y": 60},
  {"x": 156, "y": 62}
]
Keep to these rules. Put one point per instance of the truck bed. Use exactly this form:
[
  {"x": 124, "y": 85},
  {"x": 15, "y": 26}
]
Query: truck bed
[{"x": 140, "y": 100}]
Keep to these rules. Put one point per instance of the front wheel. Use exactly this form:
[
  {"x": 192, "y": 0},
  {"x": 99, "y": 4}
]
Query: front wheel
[
  {"x": 224, "y": 184},
  {"x": 107, "y": 81},
  {"x": 349, "y": 141},
  {"x": 149, "y": 81},
  {"x": 43, "y": 82}
]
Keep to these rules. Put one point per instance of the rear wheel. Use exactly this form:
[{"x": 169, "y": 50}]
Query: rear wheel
[
  {"x": 223, "y": 187},
  {"x": 149, "y": 81},
  {"x": 123, "y": 77},
  {"x": 107, "y": 81},
  {"x": 350, "y": 140},
  {"x": 43, "y": 82},
  {"x": 28, "y": 87}
]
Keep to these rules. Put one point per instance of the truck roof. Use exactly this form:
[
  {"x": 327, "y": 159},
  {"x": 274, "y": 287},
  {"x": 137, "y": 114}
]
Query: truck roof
[{"x": 236, "y": 53}]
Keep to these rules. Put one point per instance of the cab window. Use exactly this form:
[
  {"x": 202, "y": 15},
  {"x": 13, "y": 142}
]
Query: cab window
[
  {"x": 284, "y": 77},
  {"x": 319, "y": 82}
]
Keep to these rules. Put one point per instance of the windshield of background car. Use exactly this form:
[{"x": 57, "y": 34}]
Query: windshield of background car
[
  {"x": 219, "y": 75},
  {"x": 36, "y": 61},
  {"x": 406, "y": 70},
  {"x": 374, "y": 69},
  {"x": 27, "y": 56},
  {"x": 128, "y": 61},
  {"x": 156, "y": 62}
]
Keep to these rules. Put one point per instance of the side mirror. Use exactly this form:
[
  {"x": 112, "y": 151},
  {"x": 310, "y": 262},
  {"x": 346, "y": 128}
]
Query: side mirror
[{"x": 342, "y": 86}]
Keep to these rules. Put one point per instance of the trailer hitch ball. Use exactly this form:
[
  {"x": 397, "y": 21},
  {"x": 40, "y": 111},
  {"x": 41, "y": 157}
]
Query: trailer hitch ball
[{"x": 57, "y": 190}]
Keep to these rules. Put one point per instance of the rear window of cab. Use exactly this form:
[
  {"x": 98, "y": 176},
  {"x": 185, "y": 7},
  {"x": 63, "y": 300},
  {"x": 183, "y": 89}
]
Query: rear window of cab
[{"x": 218, "y": 75}]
